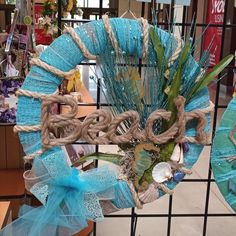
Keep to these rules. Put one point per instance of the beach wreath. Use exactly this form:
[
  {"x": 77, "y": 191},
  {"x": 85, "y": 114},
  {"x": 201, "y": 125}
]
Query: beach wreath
[
  {"x": 223, "y": 155},
  {"x": 159, "y": 118}
]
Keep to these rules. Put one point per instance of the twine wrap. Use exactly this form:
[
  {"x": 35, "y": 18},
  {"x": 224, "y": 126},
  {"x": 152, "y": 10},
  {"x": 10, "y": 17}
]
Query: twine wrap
[
  {"x": 30, "y": 157},
  {"x": 111, "y": 34},
  {"x": 52, "y": 69},
  {"x": 145, "y": 26},
  {"x": 79, "y": 42},
  {"x": 114, "y": 41},
  {"x": 164, "y": 188}
]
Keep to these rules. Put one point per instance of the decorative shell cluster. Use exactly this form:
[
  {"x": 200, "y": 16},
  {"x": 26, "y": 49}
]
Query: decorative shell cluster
[{"x": 163, "y": 172}]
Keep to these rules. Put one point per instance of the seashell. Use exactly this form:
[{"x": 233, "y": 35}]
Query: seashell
[
  {"x": 181, "y": 157},
  {"x": 162, "y": 172},
  {"x": 177, "y": 154},
  {"x": 150, "y": 195}
]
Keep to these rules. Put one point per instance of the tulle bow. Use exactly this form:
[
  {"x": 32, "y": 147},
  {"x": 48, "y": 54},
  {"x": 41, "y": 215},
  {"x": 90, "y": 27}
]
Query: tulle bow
[{"x": 69, "y": 201}]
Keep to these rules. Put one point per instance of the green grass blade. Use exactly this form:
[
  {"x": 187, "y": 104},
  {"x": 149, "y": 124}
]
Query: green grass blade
[
  {"x": 109, "y": 157},
  {"x": 159, "y": 49},
  {"x": 177, "y": 80},
  {"x": 203, "y": 82},
  {"x": 185, "y": 53}
]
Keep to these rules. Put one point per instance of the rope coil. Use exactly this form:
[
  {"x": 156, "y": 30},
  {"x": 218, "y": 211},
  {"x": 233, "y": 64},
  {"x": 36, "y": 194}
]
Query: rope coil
[{"x": 101, "y": 121}]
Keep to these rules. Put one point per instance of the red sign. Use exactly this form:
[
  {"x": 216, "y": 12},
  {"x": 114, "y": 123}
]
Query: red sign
[
  {"x": 40, "y": 34},
  {"x": 214, "y": 34}
]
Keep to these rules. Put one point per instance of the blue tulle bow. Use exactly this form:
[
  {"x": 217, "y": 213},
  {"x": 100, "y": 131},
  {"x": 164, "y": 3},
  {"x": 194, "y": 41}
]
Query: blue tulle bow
[{"x": 69, "y": 202}]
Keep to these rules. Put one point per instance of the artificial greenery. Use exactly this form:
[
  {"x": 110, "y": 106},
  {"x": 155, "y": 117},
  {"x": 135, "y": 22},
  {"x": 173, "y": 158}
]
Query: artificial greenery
[{"x": 166, "y": 79}]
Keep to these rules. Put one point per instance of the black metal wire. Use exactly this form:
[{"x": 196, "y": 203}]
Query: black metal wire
[
  {"x": 173, "y": 215},
  {"x": 98, "y": 106},
  {"x": 133, "y": 216},
  {"x": 59, "y": 13}
]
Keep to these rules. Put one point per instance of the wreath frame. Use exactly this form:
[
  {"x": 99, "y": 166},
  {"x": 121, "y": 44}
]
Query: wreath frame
[
  {"x": 223, "y": 154},
  {"x": 58, "y": 61}
]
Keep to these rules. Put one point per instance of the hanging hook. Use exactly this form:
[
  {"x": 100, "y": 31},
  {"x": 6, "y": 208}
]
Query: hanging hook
[{"x": 129, "y": 11}]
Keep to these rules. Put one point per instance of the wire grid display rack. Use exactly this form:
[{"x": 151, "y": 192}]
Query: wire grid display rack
[{"x": 205, "y": 215}]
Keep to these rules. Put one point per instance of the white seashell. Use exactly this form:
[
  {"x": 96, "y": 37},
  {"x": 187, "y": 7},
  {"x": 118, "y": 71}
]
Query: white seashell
[
  {"x": 175, "y": 156},
  {"x": 181, "y": 157},
  {"x": 150, "y": 195},
  {"x": 161, "y": 172}
]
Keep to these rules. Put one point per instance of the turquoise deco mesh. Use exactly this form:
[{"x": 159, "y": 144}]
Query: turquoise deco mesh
[{"x": 223, "y": 149}]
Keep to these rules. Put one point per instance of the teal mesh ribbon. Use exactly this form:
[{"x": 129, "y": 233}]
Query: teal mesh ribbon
[
  {"x": 223, "y": 149},
  {"x": 69, "y": 200}
]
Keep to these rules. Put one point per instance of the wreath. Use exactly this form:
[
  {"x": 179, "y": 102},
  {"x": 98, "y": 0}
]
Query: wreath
[
  {"x": 159, "y": 118},
  {"x": 223, "y": 155}
]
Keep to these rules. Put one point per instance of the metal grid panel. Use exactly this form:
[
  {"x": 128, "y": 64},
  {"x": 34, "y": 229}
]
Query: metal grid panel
[{"x": 134, "y": 216}]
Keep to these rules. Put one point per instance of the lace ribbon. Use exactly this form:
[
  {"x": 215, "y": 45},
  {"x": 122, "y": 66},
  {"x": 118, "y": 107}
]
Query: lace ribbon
[{"x": 69, "y": 201}]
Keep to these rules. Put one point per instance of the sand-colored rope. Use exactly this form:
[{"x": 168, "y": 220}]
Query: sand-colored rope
[
  {"x": 101, "y": 121},
  {"x": 164, "y": 137},
  {"x": 27, "y": 128},
  {"x": 145, "y": 28},
  {"x": 67, "y": 75},
  {"x": 207, "y": 139},
  {"x": 30, "y": 157},
  {"x": 114, "y": 41},
  {"x": 124, "y": 138},
  {"x": 230, "y": 159},
  {"x": 91, "y": 130},
  {"x": 79, "y": 42},
  {"x": 185, "y": 170},
  {"x": 111, "y": 34},
  {"x": 181, "y": 122},
  {"x": 164, "y": 188},
  {"x": 27, "y": 93},
  {"x": 67, "y": 117}
]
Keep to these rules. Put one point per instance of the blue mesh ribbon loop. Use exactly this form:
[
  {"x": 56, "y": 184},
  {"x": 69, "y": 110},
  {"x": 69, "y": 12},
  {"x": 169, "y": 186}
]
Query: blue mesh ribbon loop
[{"x": 71, "y": 201}]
